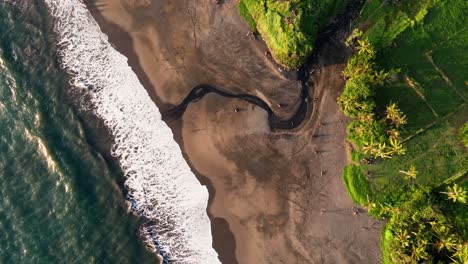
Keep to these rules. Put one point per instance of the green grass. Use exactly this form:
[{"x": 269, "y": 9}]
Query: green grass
[
  {"x": 383, "y": 21},
  {"x": 438, "y": 156},
  {"x": 387, "y": 237},
  {"x": 454, "y": 64},
  {"x": 410, "y": 56},
  {"x": 436, "y": 153},
  {"x": 355, "y": 156},
  {"x": 464, "y": 134},
  {"x": 356, "y": 184},
  {"x": 289, "y": 42},
  {"x": 408, "y": 34},
  {"x": 430, "y": 27},
  {"x": 408, "y": 100},
  {"x": 244, "y": 12}
]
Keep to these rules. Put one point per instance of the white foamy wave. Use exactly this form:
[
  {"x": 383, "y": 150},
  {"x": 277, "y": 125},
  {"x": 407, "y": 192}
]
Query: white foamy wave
[{"x": 160, "y": 183}]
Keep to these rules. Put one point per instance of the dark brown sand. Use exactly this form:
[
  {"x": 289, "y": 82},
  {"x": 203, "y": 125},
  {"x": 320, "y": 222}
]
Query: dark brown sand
[{"x": 275, "y": 197}]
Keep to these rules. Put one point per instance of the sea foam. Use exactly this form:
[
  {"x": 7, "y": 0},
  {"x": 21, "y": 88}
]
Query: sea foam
[{"x": 161, "y": 186}]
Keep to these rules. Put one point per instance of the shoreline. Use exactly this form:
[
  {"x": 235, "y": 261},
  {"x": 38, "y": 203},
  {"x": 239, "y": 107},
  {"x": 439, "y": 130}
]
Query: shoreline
[
  {"x": 270, "y": 202},
  {"x": 120, "y": 101},
  {"x": 223, "y": 240},
  {"x": 122, "y": 42}
]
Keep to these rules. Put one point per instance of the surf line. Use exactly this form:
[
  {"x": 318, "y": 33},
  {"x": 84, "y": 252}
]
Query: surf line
[{"x": 161, "y": 186}]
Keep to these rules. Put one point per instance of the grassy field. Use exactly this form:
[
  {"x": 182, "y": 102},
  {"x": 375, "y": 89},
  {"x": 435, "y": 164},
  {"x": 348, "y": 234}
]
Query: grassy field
[
  {"x": 426, "y": 41},
  {"x": 433, "y": 60},
  {"x": 429, "y": 49},
  {"x": 437, "y": 154},
  {"x": 289, "y": 27}
]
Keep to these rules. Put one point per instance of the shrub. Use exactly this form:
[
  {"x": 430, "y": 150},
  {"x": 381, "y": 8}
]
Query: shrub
[
  {"x": 368, "y": 130},
  {"x": 361, "y": 132},
  {"x": 357, "y": 97}
]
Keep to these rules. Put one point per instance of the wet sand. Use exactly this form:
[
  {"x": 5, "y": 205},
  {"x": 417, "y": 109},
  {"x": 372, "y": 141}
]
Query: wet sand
[{"x": 275, "y": 196}]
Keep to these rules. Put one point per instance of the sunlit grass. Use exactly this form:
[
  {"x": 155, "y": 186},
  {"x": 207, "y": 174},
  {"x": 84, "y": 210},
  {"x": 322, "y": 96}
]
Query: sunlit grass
[{"x": 289, "y": 28}]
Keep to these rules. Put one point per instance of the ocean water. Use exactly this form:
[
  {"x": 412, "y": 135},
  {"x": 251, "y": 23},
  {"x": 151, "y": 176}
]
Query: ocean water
[
  {"x": 60, "y": 199},
  {"x": 59, "y": 196}
]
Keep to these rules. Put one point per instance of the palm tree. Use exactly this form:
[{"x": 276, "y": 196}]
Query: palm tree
[
  {"x": 393, "y": 133},
  {"x": 366, "y": 117},
  {"x": 360, "y": 130},
  {"x": 419, "y": 245},
  {"x": 456, "y": 193},
  {"x": 411, "y": 173},
  {"x": 399, "y": 120},
  {"x": 365, "y": 49},
  {"x": 418, "y": 250},
  {"x": 366, "y": 108},
  {"x": 448, "y": 241},
  {"x": 345, "y": 104},
  {"x": 369, "y": 148},
  {"x": 397, "y": 147},
  {"x": 380, "y": 77},
  {"x": 461, "y": 255},
  {"x": 381, "y": 210},
  {"x": 355, "y": 35},
  {"x": 392, "y": 110},
  {"x": 395, "y": 115},
  {"x": 403, "y": 237},
  {"x": 382, "y": 151}
]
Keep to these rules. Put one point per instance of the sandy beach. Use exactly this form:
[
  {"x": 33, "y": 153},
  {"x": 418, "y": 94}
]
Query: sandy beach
[{"x": 275, "y": 196}]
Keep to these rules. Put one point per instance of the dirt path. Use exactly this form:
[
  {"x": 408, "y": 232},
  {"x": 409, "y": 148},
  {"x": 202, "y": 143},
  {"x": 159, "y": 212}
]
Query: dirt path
[{"x": 276, "y": 197}]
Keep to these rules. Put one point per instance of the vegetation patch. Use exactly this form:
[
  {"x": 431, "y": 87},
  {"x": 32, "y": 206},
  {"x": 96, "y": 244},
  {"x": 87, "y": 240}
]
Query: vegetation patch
[
  {"x": 355, "y": 156},
  {"x": 418, "y": 232},
  {"x": 289, "y": 27},
  {"x": 419, "y": 48},
  {"x": 373, "y": 133},
  {"x": 429, "y": 50},
  {"x": 436, "y": 153},
  {"x": 464, "y": 134},
  {"x": 244, "y": 12},
  {"x": 356, "y": 184},
  {"x": 385, "y": 20}
]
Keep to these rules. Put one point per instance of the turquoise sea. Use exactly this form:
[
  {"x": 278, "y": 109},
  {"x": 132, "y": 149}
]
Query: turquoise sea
[{"x": 61, "y": 195}]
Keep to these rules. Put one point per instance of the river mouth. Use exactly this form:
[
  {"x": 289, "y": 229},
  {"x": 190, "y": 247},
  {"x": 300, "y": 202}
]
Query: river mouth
[
  {"x": 333, "y": 33},
  {"x": 265, "y": 185}
]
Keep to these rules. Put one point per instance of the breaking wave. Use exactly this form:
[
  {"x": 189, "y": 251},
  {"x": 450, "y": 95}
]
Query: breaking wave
[{"x": 161, "y": 186}]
